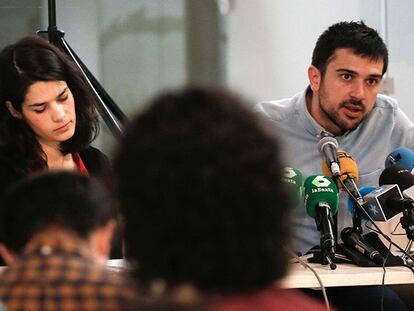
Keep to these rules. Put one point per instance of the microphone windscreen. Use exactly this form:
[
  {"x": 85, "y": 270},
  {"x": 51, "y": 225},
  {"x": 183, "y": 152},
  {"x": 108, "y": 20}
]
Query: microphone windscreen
[
  {"x": 349, "y": 168},
  {"x": 352, "y": 204},
  {"x": 320, "y": 189},
  {"x": 294, "y": 180},
  {"x": 327, "y": 140},
  {"x": 347, "y": 165},
  {"x": 397, "y": 174},
  {"x": 401, "y": 156}
]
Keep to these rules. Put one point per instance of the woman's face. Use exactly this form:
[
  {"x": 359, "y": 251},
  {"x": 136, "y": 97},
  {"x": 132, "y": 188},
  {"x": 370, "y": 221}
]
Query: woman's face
[{"x": 49, "y": 109}]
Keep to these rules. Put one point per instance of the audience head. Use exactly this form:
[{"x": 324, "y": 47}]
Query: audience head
[
  {"x": 357, "y": 36},
  {"x": 25, "y": 66},
  {"x": 68, "y": 201},
  {"x": 200, "y": 188}
]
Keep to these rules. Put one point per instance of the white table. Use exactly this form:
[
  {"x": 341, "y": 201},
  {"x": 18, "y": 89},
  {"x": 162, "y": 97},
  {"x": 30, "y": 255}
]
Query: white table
[{"x": 345, "y": 275}]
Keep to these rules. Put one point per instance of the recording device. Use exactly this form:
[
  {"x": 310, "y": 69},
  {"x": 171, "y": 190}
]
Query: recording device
[
  {"x": 321, "y": 202},
  {"x": 378, "y": 202},
  {"x": 293, "y": 178},
  {"x": 327, "y": 146},
  {"x": 401, "y": 156},
  {"x": 354, "y": 240}
]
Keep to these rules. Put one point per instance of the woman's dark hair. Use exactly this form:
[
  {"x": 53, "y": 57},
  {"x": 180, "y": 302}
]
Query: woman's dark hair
[
  {"x": 357, "y": 36},
  {"x": 200, "y": 188},
  {"x": 23, "y": 63}
]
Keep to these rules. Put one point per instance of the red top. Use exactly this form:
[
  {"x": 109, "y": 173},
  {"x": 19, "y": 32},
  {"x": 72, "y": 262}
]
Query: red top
[{"x": 79, "y": 163}]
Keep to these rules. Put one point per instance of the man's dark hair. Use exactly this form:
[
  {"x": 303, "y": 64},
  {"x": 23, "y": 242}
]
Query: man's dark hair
[
  {"x": 201, "y": 192},
  {"x": 69, "y": 200},
  {"x": 357, "y": 36},
  {"x": 30, "y": 60}
]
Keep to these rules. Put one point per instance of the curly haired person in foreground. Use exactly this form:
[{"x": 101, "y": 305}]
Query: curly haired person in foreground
[{"x": 200, "y": 187}]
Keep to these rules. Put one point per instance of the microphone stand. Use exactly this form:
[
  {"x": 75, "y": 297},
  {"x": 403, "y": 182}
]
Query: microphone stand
[
  {"x": 407, "y": 223},
  {"x": 326, "y": 254},
  {"x": 327, "y": 243},
  {"x": 112, "y": 115},
  {"x": 357, "y": 216}
]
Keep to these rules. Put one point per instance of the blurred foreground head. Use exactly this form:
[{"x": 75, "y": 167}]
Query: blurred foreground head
[
  {"x": 62, "y": 200},
  {"x": 200, "y": 188}
]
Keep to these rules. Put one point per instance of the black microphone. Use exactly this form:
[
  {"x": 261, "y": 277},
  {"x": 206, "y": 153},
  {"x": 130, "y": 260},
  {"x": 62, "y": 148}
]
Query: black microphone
[
  {"x": 405, "y": 180},
  {"x": 384, "y": 202},
  {"x": 379, "y": 202},
  {"x": 353, "y": 239},
  {"x": 328, "y": 147},
  {"x": 397, "y": 174}
]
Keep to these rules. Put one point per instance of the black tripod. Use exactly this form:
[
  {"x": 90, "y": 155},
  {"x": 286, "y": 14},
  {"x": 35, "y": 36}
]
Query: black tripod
[
  {"x": 407, "y": 221},
  {"x": 107, "y": 108}
]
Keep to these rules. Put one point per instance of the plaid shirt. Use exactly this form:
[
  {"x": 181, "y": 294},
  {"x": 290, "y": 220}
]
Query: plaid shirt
[{"x": 56, "y": 273}]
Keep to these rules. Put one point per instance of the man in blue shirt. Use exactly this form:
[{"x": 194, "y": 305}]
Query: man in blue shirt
[{"x": 342, "y": 100}]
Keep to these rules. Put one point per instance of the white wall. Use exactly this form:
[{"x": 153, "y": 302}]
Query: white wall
[
  {"x": 79, "y": 20},
  {"x": 142, "y": 48},
  {"x": 270, "y": 43},
  {"x": 401, "y": 46}
]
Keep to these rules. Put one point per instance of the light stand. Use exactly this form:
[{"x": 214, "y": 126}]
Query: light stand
[{"x": 112, "y": 115}]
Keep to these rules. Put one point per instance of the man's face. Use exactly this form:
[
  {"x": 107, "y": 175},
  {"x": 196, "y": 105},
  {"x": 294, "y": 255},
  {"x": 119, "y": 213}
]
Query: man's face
[{"x": 346, "y": 93}]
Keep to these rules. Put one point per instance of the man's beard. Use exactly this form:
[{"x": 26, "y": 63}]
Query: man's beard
[{"x": 334, "y": 117}]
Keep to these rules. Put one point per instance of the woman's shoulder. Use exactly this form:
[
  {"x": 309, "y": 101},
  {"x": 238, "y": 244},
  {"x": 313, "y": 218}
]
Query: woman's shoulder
[
  {"x": 92, "y": 152},
  {"x": 95, "y": 160}
]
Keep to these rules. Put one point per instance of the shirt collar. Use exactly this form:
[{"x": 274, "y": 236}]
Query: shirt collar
[
  {"x": 58, "y": 240},
  {"x": 309, "y": 123}
]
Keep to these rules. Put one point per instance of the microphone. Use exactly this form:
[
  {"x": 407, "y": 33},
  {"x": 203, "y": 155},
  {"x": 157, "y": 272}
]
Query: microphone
[
  {"x": 294, "y": 180},
  {"x": 397, "y": 174},
  {"x": 327, "y": 147},
  {"x": 404, "y": 180},
  {"x": 379, "y": 202},
  {"x": 354, "y": 240},
  {"x": 401, "y": 156},
  {"x": 349, "y": 174},
  {"x": 321, "y": 202},
  {"x": 352, "y": 206}
]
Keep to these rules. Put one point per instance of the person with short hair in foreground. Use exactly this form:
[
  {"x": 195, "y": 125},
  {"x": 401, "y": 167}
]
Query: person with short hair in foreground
[{"x": 57, "y": 228}]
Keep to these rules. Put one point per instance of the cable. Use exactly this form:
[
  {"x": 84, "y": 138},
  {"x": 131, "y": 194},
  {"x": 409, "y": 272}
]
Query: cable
[
  {"x": 383, "y": 277},
  {"x": 378, "y": 230},
  {"x": 307, "y": 266},
  {"x": 408, "y": 246},
  {"x": 395, "y": 229}
]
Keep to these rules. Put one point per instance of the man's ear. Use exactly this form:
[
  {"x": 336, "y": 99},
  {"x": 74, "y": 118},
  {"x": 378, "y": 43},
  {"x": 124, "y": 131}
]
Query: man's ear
[
  {"x": 8, "y": 256},
  {"x": 13, "y": 111},
  {"x": 314, "y": 76}
]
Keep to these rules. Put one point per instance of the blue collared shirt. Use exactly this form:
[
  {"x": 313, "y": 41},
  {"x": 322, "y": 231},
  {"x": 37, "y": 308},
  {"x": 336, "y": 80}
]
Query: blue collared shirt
[{"x": 386, "y": 128}]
